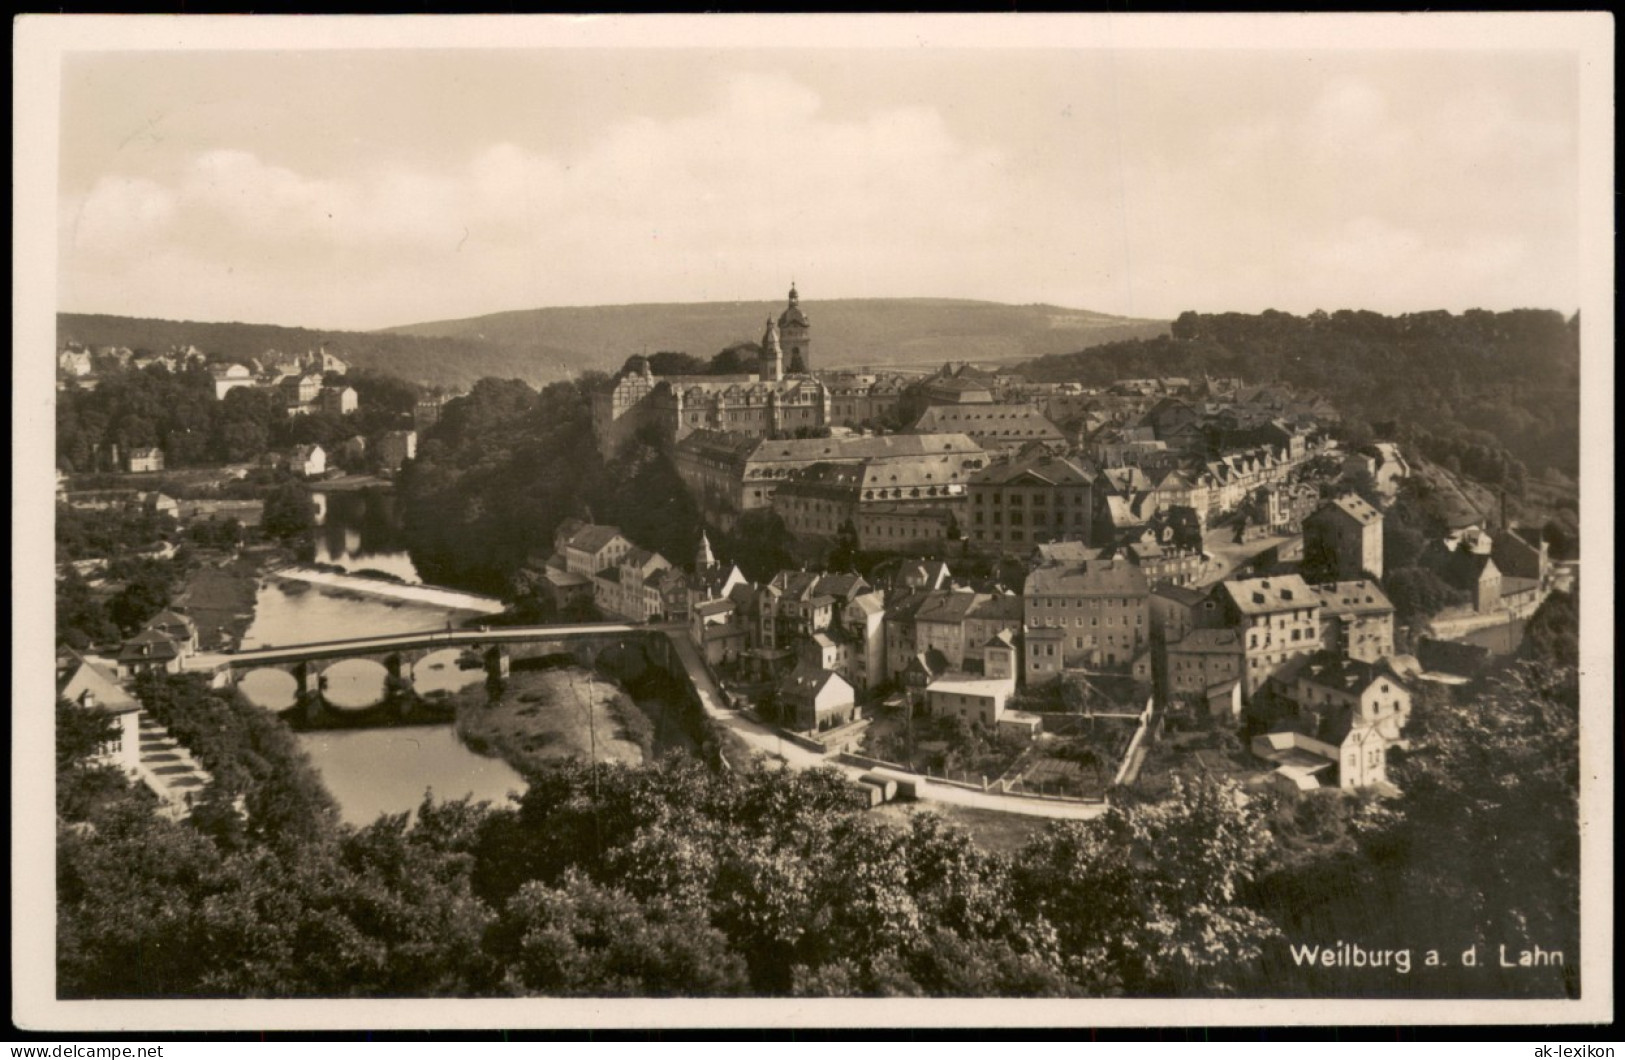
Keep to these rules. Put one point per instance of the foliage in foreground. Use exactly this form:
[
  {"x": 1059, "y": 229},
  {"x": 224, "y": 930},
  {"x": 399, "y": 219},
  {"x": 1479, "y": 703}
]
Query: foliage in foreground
[{"x": 670, "y": 879}]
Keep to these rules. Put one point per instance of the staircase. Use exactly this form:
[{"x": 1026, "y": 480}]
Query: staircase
[{"x": 169, "y": 768}]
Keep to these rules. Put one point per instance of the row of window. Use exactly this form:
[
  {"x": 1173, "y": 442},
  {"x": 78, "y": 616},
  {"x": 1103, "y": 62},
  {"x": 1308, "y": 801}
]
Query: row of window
[{"x": 1015, "y": 499}]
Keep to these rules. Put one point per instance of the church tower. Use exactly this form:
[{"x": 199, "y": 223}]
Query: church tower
[
  {"x": 772, "y": 362},
  {"x": 704, "y": 560},
  {"x": 796, "y": 334}
]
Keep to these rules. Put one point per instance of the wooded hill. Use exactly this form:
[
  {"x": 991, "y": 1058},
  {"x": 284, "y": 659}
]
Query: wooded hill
[
  {"x": 543, "y": 345},
  {"x": 1479, "y": 392},
  {"x": 845, "y": 331}
]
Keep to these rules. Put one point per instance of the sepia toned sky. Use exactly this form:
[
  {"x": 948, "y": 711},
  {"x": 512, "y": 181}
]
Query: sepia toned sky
[{"x": 363, "y": 189}]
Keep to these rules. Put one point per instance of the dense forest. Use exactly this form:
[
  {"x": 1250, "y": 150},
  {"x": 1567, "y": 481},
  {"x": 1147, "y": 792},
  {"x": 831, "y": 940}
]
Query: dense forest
[
  {"x": 179, "y": 413},
  {"x": 672, "y": 879},
  {"x": 430, "y": 361},
  {"x": 1463, "y": 388}
]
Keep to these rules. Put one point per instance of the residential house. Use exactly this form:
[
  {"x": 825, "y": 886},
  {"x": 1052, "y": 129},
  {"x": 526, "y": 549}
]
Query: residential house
[
  {"x": 1474, "y": 573},
  {"x": 143, "y": 460},
  {"x": 928, "y": 621},
  {"x": 1173, "y": 609},
  {"x": 1045, "y": 654},
  {"x": 979, "y": 699},
  {"x": 177, "y": 627},
  {"x": 924, "y": 575},
  {"x": 1102, "y": 610},
  {"x": 308, "y": 460},
  {"x": 717, "y": 630},
  {"x": 91, "y": 686},
  {"x": 1201, "y": 660},
  {"x": 300, "y": 392},
  {"x": 1346, "y": 534},
  {"x": 817, "y": 700},
  {"x": 150, "y": 650},
  {"x": 632, "y": 587},
  {"x": 1356, "y": 620},
  {"x": 862, "y": 625},
  {"x": 339, "y": 400},
  {"x": 1278, "y": 617}
]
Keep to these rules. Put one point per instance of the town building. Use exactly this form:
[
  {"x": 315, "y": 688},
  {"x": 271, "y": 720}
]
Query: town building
[
  {"x": 1278, "y": 617},
  {"x": 92, "y": 687},
  {"x": 1356, "y": 620},
  {"x": 817, "y": 700},
  {"x": 308, "y": 460},
  {"x": 1345, "y": 535},
  {"x": 1201, "y": 660},
  {"x": 900, "y": 526},
  {"x": 1101, "y": 609},
  {"x": 145, "y": 460},
  {"x": 994, "y": 427},
  {"x": 633, "y": 587},
  {"x": 730, "y": 474},
  {"x": 1029, "y": 501},
  {"x": 339, "y": 400},
  {"x": 978, "y": 699}
]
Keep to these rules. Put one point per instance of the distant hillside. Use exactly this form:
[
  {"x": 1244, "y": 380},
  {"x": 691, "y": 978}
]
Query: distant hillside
[
  {"x": 439, "y": 361},
  {"x": 542, "y": 345},
  {"x": 845, "y": 332}
]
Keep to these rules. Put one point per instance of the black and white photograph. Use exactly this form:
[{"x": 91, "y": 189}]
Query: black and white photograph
[{"x": 766, "y": 520}]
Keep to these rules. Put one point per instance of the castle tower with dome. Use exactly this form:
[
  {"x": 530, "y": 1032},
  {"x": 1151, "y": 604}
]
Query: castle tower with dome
[{"x": 795, "y": 336}]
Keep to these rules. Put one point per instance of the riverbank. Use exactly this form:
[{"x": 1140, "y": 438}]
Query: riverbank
[
  {"x": 221, "y": 598},
  {"x": 543, "y": 717}
]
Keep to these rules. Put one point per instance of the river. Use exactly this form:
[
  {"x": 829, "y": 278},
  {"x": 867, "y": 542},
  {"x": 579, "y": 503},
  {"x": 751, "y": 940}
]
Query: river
[
  {"x": 376, "y": 770},
  {"x": 360, "y": 530}
]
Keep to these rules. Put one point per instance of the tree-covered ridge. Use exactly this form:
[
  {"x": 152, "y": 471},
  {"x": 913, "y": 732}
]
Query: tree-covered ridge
[{"x": 1508, "y": 380}]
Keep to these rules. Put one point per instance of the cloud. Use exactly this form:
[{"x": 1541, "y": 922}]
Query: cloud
[{"x": 755, "y": 186}]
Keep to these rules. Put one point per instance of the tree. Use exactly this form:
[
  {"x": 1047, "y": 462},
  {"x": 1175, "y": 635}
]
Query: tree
[
  {"x": 289, "y": 512},
  {"x": 1493, "y": 782}
]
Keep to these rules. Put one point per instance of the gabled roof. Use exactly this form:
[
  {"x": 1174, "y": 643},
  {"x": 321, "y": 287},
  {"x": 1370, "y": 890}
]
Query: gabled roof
[
  {"x": 809, "y": 681},
  {"x": 85, "y": 676},
  {"x": 593, "y": 537}
]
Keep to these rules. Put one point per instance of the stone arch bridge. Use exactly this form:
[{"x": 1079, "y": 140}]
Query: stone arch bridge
[{"x": 399, "y": 654}]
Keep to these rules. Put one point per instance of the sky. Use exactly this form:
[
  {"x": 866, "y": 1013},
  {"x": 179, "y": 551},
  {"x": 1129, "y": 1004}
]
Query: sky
[{"x": 364, "y": 189}]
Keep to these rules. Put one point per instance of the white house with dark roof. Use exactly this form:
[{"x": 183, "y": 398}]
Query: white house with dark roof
[
  {"x": 90, "y": 686},
  {"x": 817, "y": 699}
]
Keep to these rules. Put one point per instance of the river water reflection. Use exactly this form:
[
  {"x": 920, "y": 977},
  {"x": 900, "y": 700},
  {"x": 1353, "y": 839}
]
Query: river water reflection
[
  {"x": 360, "y": 530},
  {"x": 375, "y": 770}
]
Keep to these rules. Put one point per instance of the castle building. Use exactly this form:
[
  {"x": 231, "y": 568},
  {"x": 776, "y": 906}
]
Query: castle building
[{"x": 781, "y": 397}]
